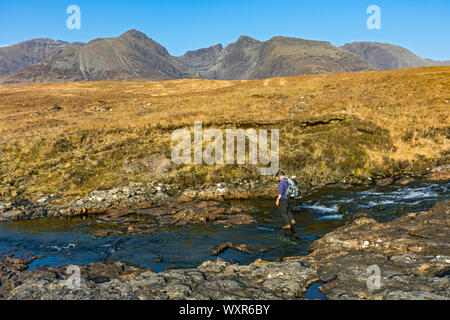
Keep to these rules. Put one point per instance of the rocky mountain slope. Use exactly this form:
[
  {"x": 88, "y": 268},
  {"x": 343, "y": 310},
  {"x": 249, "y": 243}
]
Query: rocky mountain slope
[
  {"x": 385, "y": 56},
  {"x": 248, "y": 58},
  {"x": 131, "y": 56},
  {"x": 22, "y": 55}
]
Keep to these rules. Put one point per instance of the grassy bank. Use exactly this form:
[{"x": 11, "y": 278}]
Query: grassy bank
[{"x": 72, "y": 138}]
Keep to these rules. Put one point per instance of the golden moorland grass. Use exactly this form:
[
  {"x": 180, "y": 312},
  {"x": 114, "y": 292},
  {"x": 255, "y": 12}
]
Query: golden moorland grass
[{"x": 107, "y": 134}]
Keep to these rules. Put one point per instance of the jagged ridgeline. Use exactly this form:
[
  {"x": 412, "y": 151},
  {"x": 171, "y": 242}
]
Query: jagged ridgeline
[{"x": 134, "y": 56}]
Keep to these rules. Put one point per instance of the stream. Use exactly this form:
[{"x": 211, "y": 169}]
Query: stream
[{"x": 63, "y": 241}]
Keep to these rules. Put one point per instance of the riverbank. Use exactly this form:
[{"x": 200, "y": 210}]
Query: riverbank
[
  {"x": 168, "y": 200},
  {"x": 412, "y": 253}
]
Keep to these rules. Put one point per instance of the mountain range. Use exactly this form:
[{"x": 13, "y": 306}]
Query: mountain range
[{"x": 134, "y": 56}]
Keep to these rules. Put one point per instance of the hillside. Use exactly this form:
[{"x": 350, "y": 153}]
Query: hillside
[
  {"x": 72, "y": 138},
  {"x": 385, "y": 56},
  {"x": 24, "y": 54}
]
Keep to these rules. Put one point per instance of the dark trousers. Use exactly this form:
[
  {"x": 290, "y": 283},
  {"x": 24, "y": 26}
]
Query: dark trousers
[{"x": 285, "y": 209}]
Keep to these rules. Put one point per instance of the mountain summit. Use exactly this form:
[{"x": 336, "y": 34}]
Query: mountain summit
[{"x": 131, "y": 56}]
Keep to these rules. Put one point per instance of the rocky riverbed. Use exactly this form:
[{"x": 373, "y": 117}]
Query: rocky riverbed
[{"x": 412, "y": 253}]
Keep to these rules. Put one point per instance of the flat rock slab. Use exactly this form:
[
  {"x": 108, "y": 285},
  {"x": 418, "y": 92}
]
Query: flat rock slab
[
  {"x": 174, "y": 214},
  {"x": 411, "y": 252},
  {"x": 211, "y": 280}
]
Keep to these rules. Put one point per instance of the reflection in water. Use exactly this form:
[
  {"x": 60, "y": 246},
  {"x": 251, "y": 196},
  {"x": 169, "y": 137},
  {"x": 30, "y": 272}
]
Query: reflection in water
[{"x": 69, "y": 241}]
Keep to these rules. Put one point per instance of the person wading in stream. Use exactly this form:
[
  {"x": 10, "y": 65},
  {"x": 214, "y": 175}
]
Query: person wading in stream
[{"x": 288, "y": 191}]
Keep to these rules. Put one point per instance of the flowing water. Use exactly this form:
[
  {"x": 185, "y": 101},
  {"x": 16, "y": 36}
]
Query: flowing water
[{"x": 69, "y": 241}]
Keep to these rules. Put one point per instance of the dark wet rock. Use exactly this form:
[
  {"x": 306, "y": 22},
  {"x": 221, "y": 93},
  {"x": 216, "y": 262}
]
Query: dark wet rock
[
  {"x": 104, "y": 233},
  {"x": 404, "y": 181},
  {"x": 384, "y": 182},
  {"x": 182, "y": 213},
  {"x": 17, "y": 264},
  {"x": 103, "y": 272},
  {"x": 116, "y": 215},
  {"x": 241, "y": 247}
]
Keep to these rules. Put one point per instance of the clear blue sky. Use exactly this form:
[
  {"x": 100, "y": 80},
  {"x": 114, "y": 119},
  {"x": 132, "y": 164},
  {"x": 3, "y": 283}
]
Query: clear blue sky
[{"x": 422, "y": 26}]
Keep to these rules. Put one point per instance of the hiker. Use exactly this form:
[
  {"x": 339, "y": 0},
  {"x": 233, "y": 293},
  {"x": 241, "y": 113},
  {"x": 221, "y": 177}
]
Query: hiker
[{"x": 288, "y": 191}]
